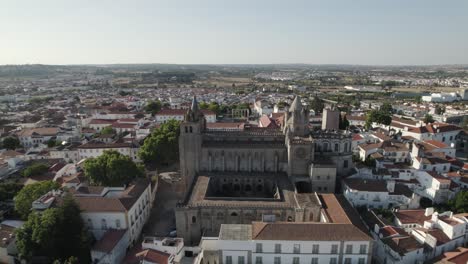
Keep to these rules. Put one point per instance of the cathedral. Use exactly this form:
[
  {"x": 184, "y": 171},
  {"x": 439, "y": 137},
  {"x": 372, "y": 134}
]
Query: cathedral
[{"x": 254, "y": 173}]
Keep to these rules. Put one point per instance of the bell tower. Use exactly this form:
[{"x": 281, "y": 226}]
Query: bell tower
[{"x": 190, "y": 141}]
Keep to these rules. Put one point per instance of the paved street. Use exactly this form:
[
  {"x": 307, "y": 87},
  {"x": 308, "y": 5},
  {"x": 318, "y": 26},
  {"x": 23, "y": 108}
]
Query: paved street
[{"x": 162, "y": 218}]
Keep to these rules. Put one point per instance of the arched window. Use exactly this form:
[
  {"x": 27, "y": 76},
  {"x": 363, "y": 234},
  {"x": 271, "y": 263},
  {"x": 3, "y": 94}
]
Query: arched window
[
  {"x": 103, "y": 224},
  {"x": 194, "y": 219},
  {"x": 234, "y": 214},
  {"x": 248, "y": 188},
  {"x": 336, "y": 147}
]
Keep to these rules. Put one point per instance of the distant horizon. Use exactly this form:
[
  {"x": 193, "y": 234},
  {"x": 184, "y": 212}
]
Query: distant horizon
[
  {"x": 240, "y": 32},
  {"x": 240, "y": 64}
]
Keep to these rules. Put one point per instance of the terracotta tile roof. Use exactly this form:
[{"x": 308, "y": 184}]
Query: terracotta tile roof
[
  {"x": 402, "y": 244},
  {"x": 123, "y": 125},
  {"x": 357, "y": 137},
  {"x": 436, "y": 143},
  {"x": 435, "y": 128},
  {"x": 412, "y": 216},
  {"x": 109, "y": 240},
  {"x": 298, "y": 231},
  {"x": 101, "y": 121},
  {"x": 366, "y": 185},
  {"x": 154, "y": 256},
  {"x": 42, "y": 131},
  {"x": 392, "y": 231},
  {"x": 459, "y": 256},
  {"x": 102, "y": 145},
  {"x": 171, "y": 112},
  {"x": 356, "y": 118},
  {"x": 268, "y": 122},
  {"x": 238, "y": 125},
  {"x": 122, "y": 203}
]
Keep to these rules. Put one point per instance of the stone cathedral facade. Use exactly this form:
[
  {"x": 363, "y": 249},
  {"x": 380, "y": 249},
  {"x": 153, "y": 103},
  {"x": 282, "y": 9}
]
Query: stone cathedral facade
[{"x": 253, "y": 174}]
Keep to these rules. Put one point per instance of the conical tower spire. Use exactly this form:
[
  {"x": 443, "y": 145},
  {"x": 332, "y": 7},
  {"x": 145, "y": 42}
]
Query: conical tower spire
[
  {"x": 194, "y": 106},
  {"x": 296, "y": 105}
]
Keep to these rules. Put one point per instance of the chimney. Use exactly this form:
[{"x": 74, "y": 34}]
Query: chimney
[
  {"x": 391, "y": 186},
  {"x": 435, "y": 217},
  {"x": 429, "y": 211}
]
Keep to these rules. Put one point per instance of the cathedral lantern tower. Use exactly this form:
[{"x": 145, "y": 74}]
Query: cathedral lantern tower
[{"x": 297, "y": 119}]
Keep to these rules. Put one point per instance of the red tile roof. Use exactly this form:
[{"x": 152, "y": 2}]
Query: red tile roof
[
  {"x": 412, "y": 216},
  {"x": 109, "y": 240},
  {"x": 154, "y": 256}
]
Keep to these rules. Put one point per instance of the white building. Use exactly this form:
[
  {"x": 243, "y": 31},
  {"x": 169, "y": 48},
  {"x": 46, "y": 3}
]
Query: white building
[
  {"x": 111, "y": 248},
  {"x": 30, "y": 137},
  {"x": 338, "y": 238},
  {"x": 416, "y": 236},
  {"x": 119, "y": 208},
  {"x": 94, "y": 149},
  {"x": 445, "y": 133},
  {"x": 178, "y": 114},
  {"x": 441, "y": 97},
  {"x": 157, "y": 250},
  {"x": 379, "y": 194},
  {"x": 283, "y": 242},
  {"x": 262, "y": 107}
]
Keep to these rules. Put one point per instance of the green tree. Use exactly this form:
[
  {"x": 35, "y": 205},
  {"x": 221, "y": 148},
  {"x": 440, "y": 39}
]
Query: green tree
[
  {"x": 57, "y": 233},
  {"x": 459, "y": 204},
  {"x": 107, "y": 131},
  {"x": 112, "y": 169},
  {"x": 52, "y": 143},
  {"x": 386, "y": 108},
  {"x": 203, "y": 105},
  {"x": 439, "y": 110},
  {"x": 8, "y": 190},
  {"x": 343, "y": 123},
  {"x": 464, "y": 122},
  {"x": 153, "y": 107},
  {"x": 162, "y": 146},
  {"x": 11, "y": 143},
  {"x": 317, "y": 105},
  {"x": 378, "y": 116},
  {"x": 35, "y": 169},
  {"x": 31, "y": 192},
  {"x": 428, "y": 119},
  {"x": 214, "y": 107}
]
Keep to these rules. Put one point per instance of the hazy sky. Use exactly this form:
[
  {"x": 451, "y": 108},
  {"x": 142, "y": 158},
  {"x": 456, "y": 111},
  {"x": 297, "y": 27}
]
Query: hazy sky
[{"x": 234, "y": 31}]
